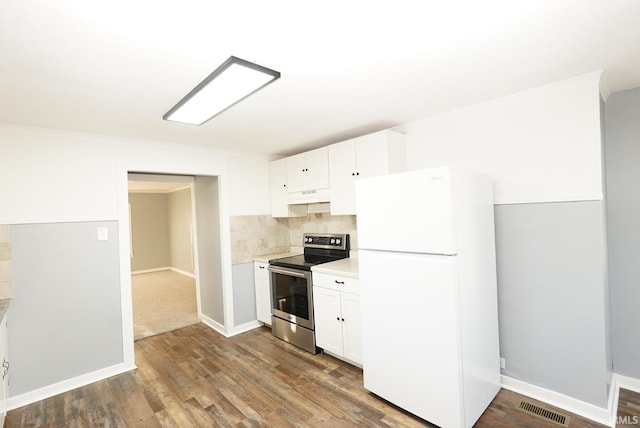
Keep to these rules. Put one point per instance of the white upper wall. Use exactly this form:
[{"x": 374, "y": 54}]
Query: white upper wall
[
  {"x": 541, "y": 145},
  {"x": 249, "y": 185},
  {"x": 58, "y": 176}
]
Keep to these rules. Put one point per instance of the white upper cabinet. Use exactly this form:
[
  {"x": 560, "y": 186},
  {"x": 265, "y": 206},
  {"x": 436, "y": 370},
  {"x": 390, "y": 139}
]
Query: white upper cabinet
[
  {"x": 328, "y": 174},
  {"x": 308, "y": 171},
  {"x": 370, "y": 155},
  {"x": 280, "y": 192}
]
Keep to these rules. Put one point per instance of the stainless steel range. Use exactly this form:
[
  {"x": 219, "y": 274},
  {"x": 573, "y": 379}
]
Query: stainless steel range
[{"x": 291, "y": 288}]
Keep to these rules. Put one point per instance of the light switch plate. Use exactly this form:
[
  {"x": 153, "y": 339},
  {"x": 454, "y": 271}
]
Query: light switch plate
[{"x": 103, "y": 234}]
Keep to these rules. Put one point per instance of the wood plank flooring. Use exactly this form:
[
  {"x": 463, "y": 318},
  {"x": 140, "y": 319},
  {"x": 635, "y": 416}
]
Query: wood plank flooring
[{"x": 194, "y": 377}]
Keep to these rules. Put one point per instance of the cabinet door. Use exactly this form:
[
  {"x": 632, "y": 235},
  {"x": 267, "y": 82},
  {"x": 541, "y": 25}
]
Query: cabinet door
[
  {"x": 327, "y": 315},
  {"x": 279, "y": 192},
  {"x": 4, "y": 356},
  {"x": 263, "y": 296},
  {"x": 278, "y": 187},
  {"x": 317, "y": 169},
  {"x": 372, "y": 155},
  {"x": 342, "y": 170},
  {"x": 352, "y": 327},
  {"x": 295, "y": 172}
]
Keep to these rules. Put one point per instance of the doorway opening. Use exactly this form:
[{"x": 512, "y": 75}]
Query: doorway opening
[
  {"x": 163, "y": 275},
  {"x": 212, "y": 276}
]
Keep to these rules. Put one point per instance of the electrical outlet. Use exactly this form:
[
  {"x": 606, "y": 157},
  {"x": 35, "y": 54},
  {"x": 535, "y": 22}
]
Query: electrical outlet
[
  {"x": 503, "y": 363},
  {"x": 103, "y": 234}
]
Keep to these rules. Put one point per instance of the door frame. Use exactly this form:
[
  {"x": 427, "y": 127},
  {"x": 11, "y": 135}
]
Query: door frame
[{"x": 193, "y": 167}]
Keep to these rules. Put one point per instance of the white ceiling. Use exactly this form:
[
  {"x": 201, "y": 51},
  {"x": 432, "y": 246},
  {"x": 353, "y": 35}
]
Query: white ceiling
[{"x": 348, "y": 67}]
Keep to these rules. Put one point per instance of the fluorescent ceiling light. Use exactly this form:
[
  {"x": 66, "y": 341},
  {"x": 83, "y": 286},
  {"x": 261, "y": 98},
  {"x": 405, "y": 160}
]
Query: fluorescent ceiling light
[{"x": 230, "y": 83}]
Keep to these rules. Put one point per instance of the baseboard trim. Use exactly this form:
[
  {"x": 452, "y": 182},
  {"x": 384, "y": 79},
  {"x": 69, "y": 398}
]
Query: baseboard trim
[
  {"x": 627, "y": 382},
  {"x": 245, "y": 327},
  {"x": 213, "y": 324},
  {"x": 598, "y": 414},
  {"x": 183, "y": 272},
  {"x": 160, "y": 269},
  {"x": 235, "y": 330},
  {"x": 66, "y": 385}
]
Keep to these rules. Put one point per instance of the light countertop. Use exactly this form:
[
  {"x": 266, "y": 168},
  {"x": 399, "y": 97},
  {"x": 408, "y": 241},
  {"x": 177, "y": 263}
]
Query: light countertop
[{"x": 344, "y": 267}]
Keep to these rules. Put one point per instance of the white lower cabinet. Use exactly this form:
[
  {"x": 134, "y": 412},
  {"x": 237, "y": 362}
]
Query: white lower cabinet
[
  {"x": 263, "y": 294},
  {"x": 337, "y": 317},
  {"x": 4, "y": 356}
]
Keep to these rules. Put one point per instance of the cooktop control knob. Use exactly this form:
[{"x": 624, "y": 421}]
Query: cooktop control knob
[{"x": 338, "y": 240}]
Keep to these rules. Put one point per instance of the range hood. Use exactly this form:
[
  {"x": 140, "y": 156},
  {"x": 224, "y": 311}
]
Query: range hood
[{"x": 308, "y": 197}]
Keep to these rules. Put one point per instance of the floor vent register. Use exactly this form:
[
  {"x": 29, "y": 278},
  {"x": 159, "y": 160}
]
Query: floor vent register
[{"x": 541, "y": 412}]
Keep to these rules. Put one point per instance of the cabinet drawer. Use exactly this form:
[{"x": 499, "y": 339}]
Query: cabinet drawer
[
  {"x": 336, "y": 282},
  {"x": 261, "y": 270}
]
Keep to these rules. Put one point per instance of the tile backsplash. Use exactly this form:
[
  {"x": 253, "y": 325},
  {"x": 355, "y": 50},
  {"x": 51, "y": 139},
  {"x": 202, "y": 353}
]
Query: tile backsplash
[
  {"x": 257, "y": 235},
  {"x": 262, "y": 234},
  {"x": 6, "y": 276},
  {"x": 323, "y": 223}
]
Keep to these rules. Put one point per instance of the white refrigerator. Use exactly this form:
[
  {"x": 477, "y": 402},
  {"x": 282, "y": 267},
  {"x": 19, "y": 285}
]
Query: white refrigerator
[{"x": 427, "y": 270}]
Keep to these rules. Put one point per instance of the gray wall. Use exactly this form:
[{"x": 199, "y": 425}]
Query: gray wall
[
  {"x": 622, "y": 150},
  {"x": 551, "y": 268},
  {"x": 179, "y": 204},
  {"x": 209, "y": 251},
  {"x": 65, "y": 318},
  {"x": 150, "y": 231},
  {"x": 244, "y": 294}
]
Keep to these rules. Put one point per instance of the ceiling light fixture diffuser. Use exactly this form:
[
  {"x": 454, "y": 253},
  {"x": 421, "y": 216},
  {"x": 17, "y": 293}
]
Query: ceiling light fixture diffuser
[{"x": 229, "y": 84}]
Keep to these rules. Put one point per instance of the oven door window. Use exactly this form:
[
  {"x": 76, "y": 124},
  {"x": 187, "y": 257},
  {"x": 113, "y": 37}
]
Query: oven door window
[{"x": 290, "y": 296}]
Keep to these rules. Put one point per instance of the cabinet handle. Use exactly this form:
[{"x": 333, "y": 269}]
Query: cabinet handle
[
  {"x": 261, "y": 267},
  {"x": 284, "y": 185},
  {"x": 353, "y": 174},
  {"x": 357, "y": 173},
  {"x": 338, "y": 318},
  {"x": 339, "y": 282},
  {"x": 5, "y": 366},
  {"x": 342, "y": 319}
]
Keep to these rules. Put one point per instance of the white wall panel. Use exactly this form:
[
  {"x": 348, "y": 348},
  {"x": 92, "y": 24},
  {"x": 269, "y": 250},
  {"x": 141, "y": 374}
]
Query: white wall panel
[
  {"x": 542, "y": 145},
  {"x": 52, "y": 176},
  {"x": 249, "y": 186}
]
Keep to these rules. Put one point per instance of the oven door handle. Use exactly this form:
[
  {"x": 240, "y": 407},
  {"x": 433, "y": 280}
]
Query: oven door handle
[{"x": 288, "y": 272}]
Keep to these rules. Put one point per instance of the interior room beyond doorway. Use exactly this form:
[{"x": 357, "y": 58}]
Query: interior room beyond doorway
[{"x": 163, "y": 283}]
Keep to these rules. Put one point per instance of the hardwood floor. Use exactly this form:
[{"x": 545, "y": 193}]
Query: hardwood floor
[
  {"x": 194, "y": 377},
  {"x": 628, "y": 408}
]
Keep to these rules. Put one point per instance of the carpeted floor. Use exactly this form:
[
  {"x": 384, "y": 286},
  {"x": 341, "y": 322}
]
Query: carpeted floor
[{"x": 162, "y": 301}]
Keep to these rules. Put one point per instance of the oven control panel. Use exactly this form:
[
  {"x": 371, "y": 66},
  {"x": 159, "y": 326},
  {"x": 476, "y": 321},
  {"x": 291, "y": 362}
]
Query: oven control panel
[{"x": 334, "y": 241}]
